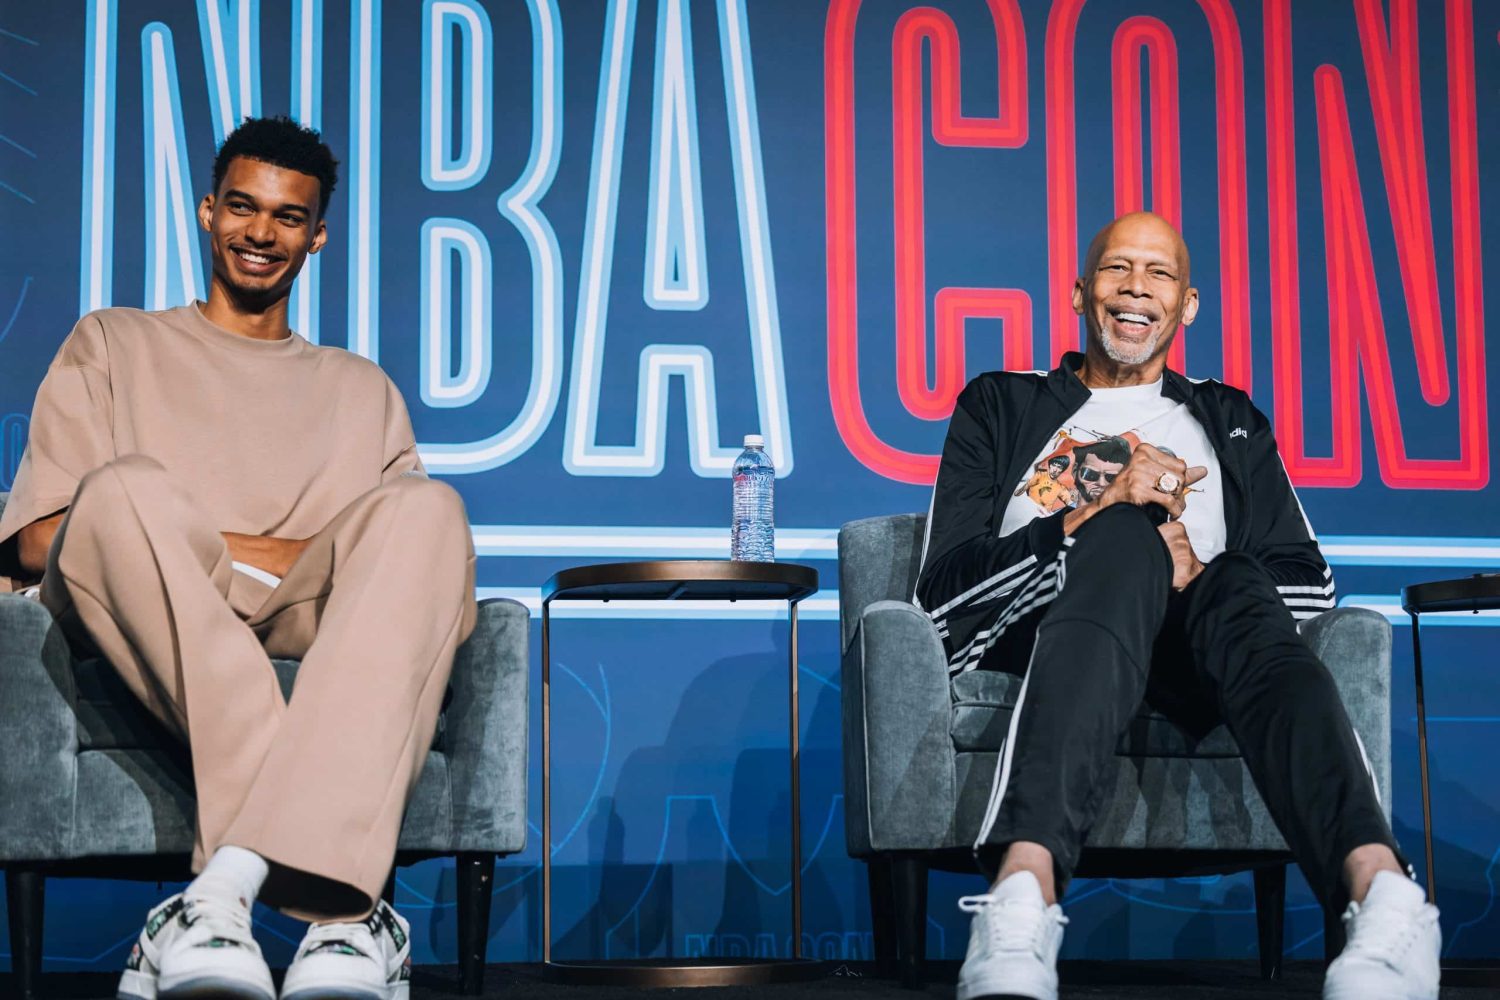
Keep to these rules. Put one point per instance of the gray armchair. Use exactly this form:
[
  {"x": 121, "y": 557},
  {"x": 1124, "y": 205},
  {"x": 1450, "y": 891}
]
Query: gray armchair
[
  {"x": 920, "y": 752},
  {"x": 93, "y": 786}
]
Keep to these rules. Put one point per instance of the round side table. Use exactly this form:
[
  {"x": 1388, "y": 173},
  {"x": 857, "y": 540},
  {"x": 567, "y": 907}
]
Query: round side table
[
  {"x": 673, "y": 580},
  {"x": 1480, "y": 592}
]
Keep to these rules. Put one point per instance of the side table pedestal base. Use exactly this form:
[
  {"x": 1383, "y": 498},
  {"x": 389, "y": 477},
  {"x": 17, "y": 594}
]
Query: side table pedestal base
[{"x": 674, "y": 972}]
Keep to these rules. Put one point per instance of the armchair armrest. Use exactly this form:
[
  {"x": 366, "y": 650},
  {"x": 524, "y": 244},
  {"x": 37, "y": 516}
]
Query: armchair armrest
[
  {"x": 898, "y": 751},
  {"x": 1355, "y": 645},
  {"x": 38, "y": 733},
  {"x": 486, "y": 733}
]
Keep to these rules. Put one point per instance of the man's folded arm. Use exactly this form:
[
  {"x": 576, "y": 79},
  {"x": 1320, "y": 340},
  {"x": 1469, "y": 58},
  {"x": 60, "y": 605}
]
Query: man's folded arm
[
  {"x": 274, "y": 555},
  {"x": 32, "y": 543},
  {"x": 265, "y": 552},
  {"x": 72, "y": 432}
]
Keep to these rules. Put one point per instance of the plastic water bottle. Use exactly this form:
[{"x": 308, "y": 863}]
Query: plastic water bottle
[{"x": 753, "y": 534}]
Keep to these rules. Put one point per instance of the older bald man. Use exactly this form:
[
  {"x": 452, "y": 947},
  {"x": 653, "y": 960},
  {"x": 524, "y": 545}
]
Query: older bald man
[{"x": 1176, "y": 577}]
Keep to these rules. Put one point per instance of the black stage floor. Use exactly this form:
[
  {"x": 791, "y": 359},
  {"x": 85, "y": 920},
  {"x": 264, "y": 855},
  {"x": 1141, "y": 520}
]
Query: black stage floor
[{"x": 1180, "y": 980}]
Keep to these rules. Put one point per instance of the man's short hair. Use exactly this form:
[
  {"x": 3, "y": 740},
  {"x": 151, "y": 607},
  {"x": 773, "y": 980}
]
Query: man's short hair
[
  {"x": 1110, "y": 449},
  {"x": 1060, "y": 460},
  {"x": 284, "y": 143}
]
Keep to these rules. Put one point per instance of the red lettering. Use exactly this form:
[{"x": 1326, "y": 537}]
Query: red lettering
[
  {"x": 1155, "y": 38},
  {"x": 1358, "y": 347},
  {"x": 950, "y": 127},
  {"x": 1062, "y": 175},
  {"x": 1357, "y": 337}
]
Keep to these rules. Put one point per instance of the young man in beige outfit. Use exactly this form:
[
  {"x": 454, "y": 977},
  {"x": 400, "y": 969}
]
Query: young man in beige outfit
[{"x": 204, "y": 490}]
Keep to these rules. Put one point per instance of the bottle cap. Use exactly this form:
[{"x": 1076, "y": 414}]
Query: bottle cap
[{"x": 754, "y": 441}]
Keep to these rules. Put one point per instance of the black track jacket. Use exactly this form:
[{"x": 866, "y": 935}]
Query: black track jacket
[{"x": 1000, "y": 424}]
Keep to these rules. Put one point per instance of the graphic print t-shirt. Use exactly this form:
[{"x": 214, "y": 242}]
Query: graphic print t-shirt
[{"x": 1088, "y": 451}]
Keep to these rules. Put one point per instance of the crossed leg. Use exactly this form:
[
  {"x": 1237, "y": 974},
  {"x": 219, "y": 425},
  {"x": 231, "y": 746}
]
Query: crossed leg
[{"x": 376, "y": 607}]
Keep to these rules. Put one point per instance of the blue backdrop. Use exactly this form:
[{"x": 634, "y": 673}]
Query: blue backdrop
[{"x": 596, "y": 242}]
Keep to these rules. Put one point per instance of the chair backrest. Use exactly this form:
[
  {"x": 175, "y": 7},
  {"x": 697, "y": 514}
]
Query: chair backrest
[
  {"x": 3, "y": 498},
  {"x": 879, "y": 558}
]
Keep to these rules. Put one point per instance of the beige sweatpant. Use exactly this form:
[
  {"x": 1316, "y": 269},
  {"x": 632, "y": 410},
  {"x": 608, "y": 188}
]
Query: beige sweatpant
[{"x": 374, "y": 607}]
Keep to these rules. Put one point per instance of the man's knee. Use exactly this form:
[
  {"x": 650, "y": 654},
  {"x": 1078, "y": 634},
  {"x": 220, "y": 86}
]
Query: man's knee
[
  {"x": 112, "y": 486},
  {"x": 1126, "y": 537},
  {"x": 428, "y": 495},
  {"x": 427, "y": 505},
  {"x": 1120, "y": 522}
]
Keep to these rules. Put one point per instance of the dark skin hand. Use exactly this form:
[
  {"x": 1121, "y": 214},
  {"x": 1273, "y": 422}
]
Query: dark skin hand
[
  {"x": 1185, "y": 564},
  {"x": 1136, "y": 484},
  {"x": 274, "y": 555},
  {"x": 33, "y": 541}
]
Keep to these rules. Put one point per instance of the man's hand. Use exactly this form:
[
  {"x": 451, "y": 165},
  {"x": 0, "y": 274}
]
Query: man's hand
[
  {"x": 1185, "y": 564},
  {"x": 1136, "y": 484},
  {"x": 274, "y": 555}
]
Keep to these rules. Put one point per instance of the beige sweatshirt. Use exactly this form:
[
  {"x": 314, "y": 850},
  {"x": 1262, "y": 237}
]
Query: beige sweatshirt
[{"x": 268, "y": 437}]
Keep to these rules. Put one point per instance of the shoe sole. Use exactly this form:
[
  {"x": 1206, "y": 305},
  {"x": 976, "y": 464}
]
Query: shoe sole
[
  {"x": 213, "y": 988},
  {"x": 136, "y": 986},
  {"x": 331, "y": 992},
  {"x": 1042, "y": 993}
]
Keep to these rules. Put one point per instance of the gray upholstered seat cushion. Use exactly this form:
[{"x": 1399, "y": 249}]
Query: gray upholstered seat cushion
[
  {"x": 983, "y": 700},
  {"x": 133, "y": 802}
]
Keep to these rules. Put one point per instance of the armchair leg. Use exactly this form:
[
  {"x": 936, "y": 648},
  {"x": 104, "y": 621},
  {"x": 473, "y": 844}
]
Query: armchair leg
[
  {"x": 25, "y": 890},
  {"x": 1270, "y": 918},
  {"x": 883, "y": 916},
  {"x": 476, "y": 881},
  {"x": 910, "y": 878}
]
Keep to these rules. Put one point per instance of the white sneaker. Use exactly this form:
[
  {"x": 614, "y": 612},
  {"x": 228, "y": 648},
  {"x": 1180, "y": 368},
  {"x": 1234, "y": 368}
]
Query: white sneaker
[
  {"x": 366, "y": 960},
  {"x": 1013, "y": 942},
  {"x": 1393, "y": 945},
  {"x": 192, "y": 948}
]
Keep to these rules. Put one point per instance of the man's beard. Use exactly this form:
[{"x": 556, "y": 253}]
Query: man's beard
[{"x": 1122, "y": 355}]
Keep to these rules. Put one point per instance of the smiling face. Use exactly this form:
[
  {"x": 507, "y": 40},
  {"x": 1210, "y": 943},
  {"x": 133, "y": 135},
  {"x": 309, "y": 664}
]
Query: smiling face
[
  {"x": 262, "y": 223},
  {"x": 1134, "y": 291}
]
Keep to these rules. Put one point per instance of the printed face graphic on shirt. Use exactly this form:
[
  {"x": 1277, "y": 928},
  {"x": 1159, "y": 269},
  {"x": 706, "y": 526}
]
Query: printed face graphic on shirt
[
  {"x": 1094, "y": 474},
  {"x": 1076, "y": 471}
]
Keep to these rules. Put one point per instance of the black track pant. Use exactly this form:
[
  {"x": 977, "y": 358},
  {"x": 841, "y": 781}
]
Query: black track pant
[{"x": 1223, "y": 650}]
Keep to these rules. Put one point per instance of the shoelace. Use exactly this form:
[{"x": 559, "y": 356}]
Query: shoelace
[
  {"x": 1383, "y": 933},
  {"x": 322, "y": 936},
  {"x": 1011, "y": 935},
  {"x": 228, "y": 922}
]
